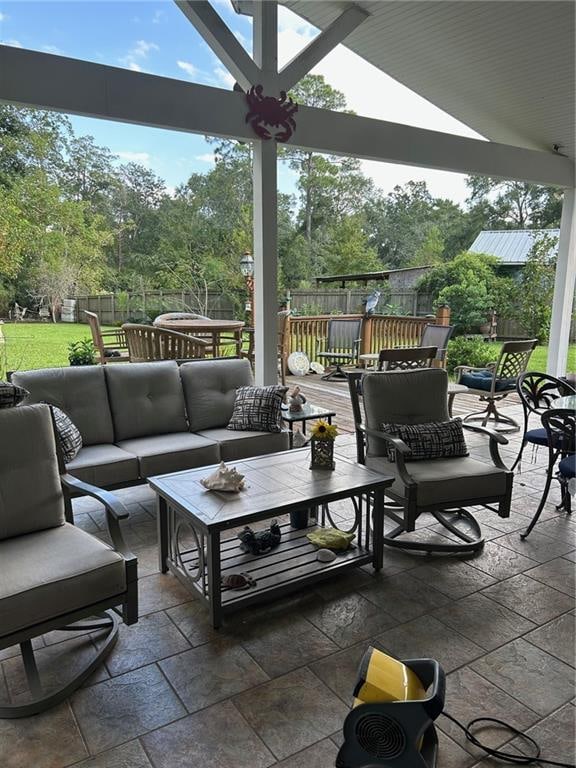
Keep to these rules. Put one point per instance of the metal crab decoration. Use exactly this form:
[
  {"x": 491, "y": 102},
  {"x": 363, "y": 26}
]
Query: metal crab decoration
[{"x": 266, "y": 112}]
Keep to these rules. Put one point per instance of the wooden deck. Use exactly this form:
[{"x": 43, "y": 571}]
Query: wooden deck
[{"x": 334, "y": 395}]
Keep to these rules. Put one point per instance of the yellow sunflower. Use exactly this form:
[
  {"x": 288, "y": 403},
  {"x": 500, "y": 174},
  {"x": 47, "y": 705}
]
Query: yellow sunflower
[{"x": 321, "y": 430}]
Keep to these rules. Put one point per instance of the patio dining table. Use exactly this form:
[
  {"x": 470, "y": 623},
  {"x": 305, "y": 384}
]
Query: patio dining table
[{"x": 222, "y": 332}]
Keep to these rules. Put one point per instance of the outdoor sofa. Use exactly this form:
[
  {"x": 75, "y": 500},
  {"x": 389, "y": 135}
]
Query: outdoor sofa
[{"x": 146, "y": 419}]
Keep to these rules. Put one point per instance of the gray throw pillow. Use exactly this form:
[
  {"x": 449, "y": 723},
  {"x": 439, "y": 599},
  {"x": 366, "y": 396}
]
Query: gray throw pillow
[
  {"x": 11, "y": 394},
  {"x": 432, "y": 440},
  {"x": 69, "y": 437},
  {"x": 258, "y": 409}
]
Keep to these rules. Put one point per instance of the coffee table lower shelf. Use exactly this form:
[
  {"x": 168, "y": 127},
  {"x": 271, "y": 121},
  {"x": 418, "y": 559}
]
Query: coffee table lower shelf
[{"x": 282, "y": 570}]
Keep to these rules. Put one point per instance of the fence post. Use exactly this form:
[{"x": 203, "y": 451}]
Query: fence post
[
  {"x": 113, "y": 310},
  {"x": 443, "y": 315},
  {"x": 348, "y": 302},
  {"x": 366, "y": 332}
]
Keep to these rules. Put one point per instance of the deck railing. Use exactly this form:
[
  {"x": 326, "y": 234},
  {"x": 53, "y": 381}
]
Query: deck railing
[{"x": 309, "y": 334}]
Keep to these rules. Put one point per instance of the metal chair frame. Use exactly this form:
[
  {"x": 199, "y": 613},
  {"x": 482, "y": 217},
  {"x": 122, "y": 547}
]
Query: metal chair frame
[
  {"x": 405, "y": 359},
  {"x": 342, "y": 346},
  {"x": 407, "y": 504},
  {"x": 512, "y": 362}
]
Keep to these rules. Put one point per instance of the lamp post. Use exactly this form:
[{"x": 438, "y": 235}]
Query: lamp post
[{"x": 247, "y": 269}]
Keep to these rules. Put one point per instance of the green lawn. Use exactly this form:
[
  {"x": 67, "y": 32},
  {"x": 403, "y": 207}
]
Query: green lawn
[{"x": 45, "y": 345}]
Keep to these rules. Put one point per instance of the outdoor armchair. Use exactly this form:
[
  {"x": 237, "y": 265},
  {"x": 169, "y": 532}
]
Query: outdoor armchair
[
  {"x": 110, "y": 345},
  {"x": 342, "y": 346},
  {"x": 495, "y": 382},
  {"x": 54, "y": 574},
  {"x": 147, "y": 343},
  {"x": 444, "y": 487}
]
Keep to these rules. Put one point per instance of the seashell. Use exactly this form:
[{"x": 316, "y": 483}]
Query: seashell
[
  {"x": 325, "y": 555},
  {"x": 299, "y": 440},
  {"x": 224, "y": 479}
]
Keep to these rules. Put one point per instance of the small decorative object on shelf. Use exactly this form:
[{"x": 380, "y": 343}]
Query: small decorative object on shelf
[
  {"x": 296, "y": 400},
  {"x": 259, "y": 542},
  {"x": 322, "y": 445}
]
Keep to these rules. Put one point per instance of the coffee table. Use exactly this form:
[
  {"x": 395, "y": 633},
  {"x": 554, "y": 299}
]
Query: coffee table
[{"x": 192, "y": 523}]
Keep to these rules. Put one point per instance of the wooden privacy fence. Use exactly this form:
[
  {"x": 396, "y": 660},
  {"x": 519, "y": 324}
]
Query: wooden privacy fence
[
  {"x": 309, "y": 334},
  {"x": 341, "y": 301}
]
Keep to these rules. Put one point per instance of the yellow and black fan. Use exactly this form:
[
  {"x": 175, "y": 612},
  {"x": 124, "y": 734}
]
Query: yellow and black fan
[{"x": 391, "y": 724}]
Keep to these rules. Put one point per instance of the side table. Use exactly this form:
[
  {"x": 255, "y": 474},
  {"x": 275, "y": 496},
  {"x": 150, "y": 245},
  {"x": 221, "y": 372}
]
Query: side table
[{"x": 307, "y": 413}]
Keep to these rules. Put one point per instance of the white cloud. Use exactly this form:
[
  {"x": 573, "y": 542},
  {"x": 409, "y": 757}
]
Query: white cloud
[
  {"x": 157, "y": 18},
  {"x": 51, "y": 49},
  {"x": 209, "y": 157},
  {"x": 242, "y": 39},
  {"x": 3, "y": 16},
  {"x": 134, "y": 157},
  {"x": 223, "y": 77},
  {"x": 12, "y": 43},
  {"x": 187, "y": 67},
  {"x": 138, "y": 53}
]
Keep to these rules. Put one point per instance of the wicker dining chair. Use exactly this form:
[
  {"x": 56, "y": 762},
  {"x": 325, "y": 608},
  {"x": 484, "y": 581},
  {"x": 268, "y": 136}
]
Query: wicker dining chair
[{"x": 146, "y": 343}]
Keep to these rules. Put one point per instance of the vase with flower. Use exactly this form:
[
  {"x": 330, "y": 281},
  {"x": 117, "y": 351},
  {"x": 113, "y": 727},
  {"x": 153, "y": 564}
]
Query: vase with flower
[{"x": 322, "y": 436}]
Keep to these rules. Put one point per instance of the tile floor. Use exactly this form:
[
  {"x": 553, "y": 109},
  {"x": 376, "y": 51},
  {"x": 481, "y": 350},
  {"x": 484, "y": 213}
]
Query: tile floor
[{"x": 272, "y": 688}]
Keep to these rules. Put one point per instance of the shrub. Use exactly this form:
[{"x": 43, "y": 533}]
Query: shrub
[
  {"x": 472, "y": 351},
  {"x": 81, "y": 352}
]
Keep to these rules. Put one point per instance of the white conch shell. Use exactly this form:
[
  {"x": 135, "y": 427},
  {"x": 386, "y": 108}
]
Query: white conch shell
[{"x": 224, "y": 479}]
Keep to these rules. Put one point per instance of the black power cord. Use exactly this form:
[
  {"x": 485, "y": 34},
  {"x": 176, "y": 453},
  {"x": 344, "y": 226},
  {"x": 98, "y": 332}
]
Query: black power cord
[{"x": 506, "y": 757}]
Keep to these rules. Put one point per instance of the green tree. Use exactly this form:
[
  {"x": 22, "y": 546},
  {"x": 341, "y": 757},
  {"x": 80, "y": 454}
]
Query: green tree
[
  {"x": 535, "y": 290},
  {"x": 508, "y": 204}
]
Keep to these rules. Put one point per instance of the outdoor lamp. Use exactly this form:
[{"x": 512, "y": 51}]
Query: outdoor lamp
[{"x": 247, "y": 264}]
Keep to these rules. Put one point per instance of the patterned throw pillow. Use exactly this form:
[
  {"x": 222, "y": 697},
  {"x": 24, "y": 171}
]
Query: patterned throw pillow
[
  {"x": 11, "y": 395},
  {"x": 69, "y": 436},
  {"x": 432, "y": 440},
  {"x": 258, "y": 409}
]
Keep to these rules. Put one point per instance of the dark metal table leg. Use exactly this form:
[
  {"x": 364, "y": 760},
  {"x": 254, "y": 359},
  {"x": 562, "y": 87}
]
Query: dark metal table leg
[
  {"x": 214, "y": 586},
  {"x": 378, "y": 529},
  {"x": 162, "y": 522}
]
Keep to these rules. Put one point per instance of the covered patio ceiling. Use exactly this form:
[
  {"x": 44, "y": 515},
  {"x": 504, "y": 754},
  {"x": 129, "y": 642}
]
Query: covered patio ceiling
[{"x": 504, "y": 68}]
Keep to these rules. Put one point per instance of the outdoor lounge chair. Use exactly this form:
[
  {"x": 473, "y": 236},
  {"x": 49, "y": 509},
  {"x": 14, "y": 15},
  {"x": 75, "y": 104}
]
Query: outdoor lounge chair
[
  {"x": 111, "y": 345},
  {"x": 146, "y": 343},
  {"x": 495, "y": 382},
  {"x": 53, "y": 574},
  {"x": 342, "y": 346},
  {"x": 444, "y": 487}
]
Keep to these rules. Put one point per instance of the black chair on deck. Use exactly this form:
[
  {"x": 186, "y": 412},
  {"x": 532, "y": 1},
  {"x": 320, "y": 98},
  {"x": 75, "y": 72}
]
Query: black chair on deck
[{"x": 342, "y": 346}]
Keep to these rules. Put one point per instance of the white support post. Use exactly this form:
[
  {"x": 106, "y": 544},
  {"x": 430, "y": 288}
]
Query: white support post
[
  {"x": 564, "y": 286},
  {"x": 264, "y": 171}
]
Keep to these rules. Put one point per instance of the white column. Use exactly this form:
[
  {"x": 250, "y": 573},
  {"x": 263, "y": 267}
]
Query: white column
[
  {"x": 265, "y": 205},
  {"x": 564, "y": 286}
]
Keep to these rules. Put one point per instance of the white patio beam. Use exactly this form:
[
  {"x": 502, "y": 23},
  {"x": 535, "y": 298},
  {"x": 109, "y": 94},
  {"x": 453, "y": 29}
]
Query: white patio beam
[
  {"x": 221, "y": 40},
  {"x": 78, "y": 87},
  {"x": 326, "y": 41},
  {"x": 564, "y": 286}
]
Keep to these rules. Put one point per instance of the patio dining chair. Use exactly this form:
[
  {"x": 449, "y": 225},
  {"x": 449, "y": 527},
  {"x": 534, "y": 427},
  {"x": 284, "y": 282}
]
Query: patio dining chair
[
  {"x": 147, "y": 343},
  {"x": 446, "y": 487},
  {"x": 342, "y": 346},
  {"x": 406, "y": 359},
  {"x": 495, "y": 382},
  {"x": 110, "y": 345},
  {"x": 560, "y": 427},
  {"x": 437, "y": 336},
  {"x": 53, "y": 574},
  {"x": 283, "y": 327}
]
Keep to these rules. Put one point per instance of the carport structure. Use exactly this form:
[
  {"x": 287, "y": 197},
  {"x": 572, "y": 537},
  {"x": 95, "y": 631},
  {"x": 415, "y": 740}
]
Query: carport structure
[{"x": 506, "y": 69}]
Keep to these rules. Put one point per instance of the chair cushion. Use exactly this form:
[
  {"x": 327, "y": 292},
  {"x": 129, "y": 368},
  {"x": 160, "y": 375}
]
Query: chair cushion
[
  {"x": 446, "y": 480},
  {"x": 160, "y": 454},
  {"x": 104, "y": 465},
  {"x": 145, "y": 399},
  {"x": 210, "y": 390},
  {"x": 537, "y": 436},
  {"x": 80, "y": 391},
  {"x": 68, "y": 434},
  {"x": 406, "y": 397},
  {"x": 258, "y": 409},
  {"x": 50, "y": 573},
  {"x": 11, "y": 395},
  {"x": 567, "y": 466},
  {"x": 483, "y": 380},
  {"x": 431, "y": 440},
  {"x": 243, "y": 445},
  {"x": 30, "y": 490}
]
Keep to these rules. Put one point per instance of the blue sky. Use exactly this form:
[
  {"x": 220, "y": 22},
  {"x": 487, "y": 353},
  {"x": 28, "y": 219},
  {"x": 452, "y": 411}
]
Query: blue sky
[{"x": 155, "y": 37}]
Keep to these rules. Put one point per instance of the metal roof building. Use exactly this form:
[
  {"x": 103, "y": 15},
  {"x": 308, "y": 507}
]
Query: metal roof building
[{"x": 511, "y": 246}]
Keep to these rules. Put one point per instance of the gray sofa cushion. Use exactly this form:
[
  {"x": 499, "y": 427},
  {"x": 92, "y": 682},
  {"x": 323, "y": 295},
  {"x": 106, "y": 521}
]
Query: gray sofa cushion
[
  {"x": 104, "y": 465},
  {"x": 80, "y": 391},
  {"x": 242, "y": 445},
  {"x": 210, "y": 390},
  {"x": 145, "y": 399},
  {"x": 446, "y": 480},
  {"x": 159, "y": 454},
  {"x": 66, "y": 569},
  {"x": 30, "y": 489}
]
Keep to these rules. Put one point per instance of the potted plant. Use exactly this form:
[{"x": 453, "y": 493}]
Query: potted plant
[{"x": 81, "y": 352}]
